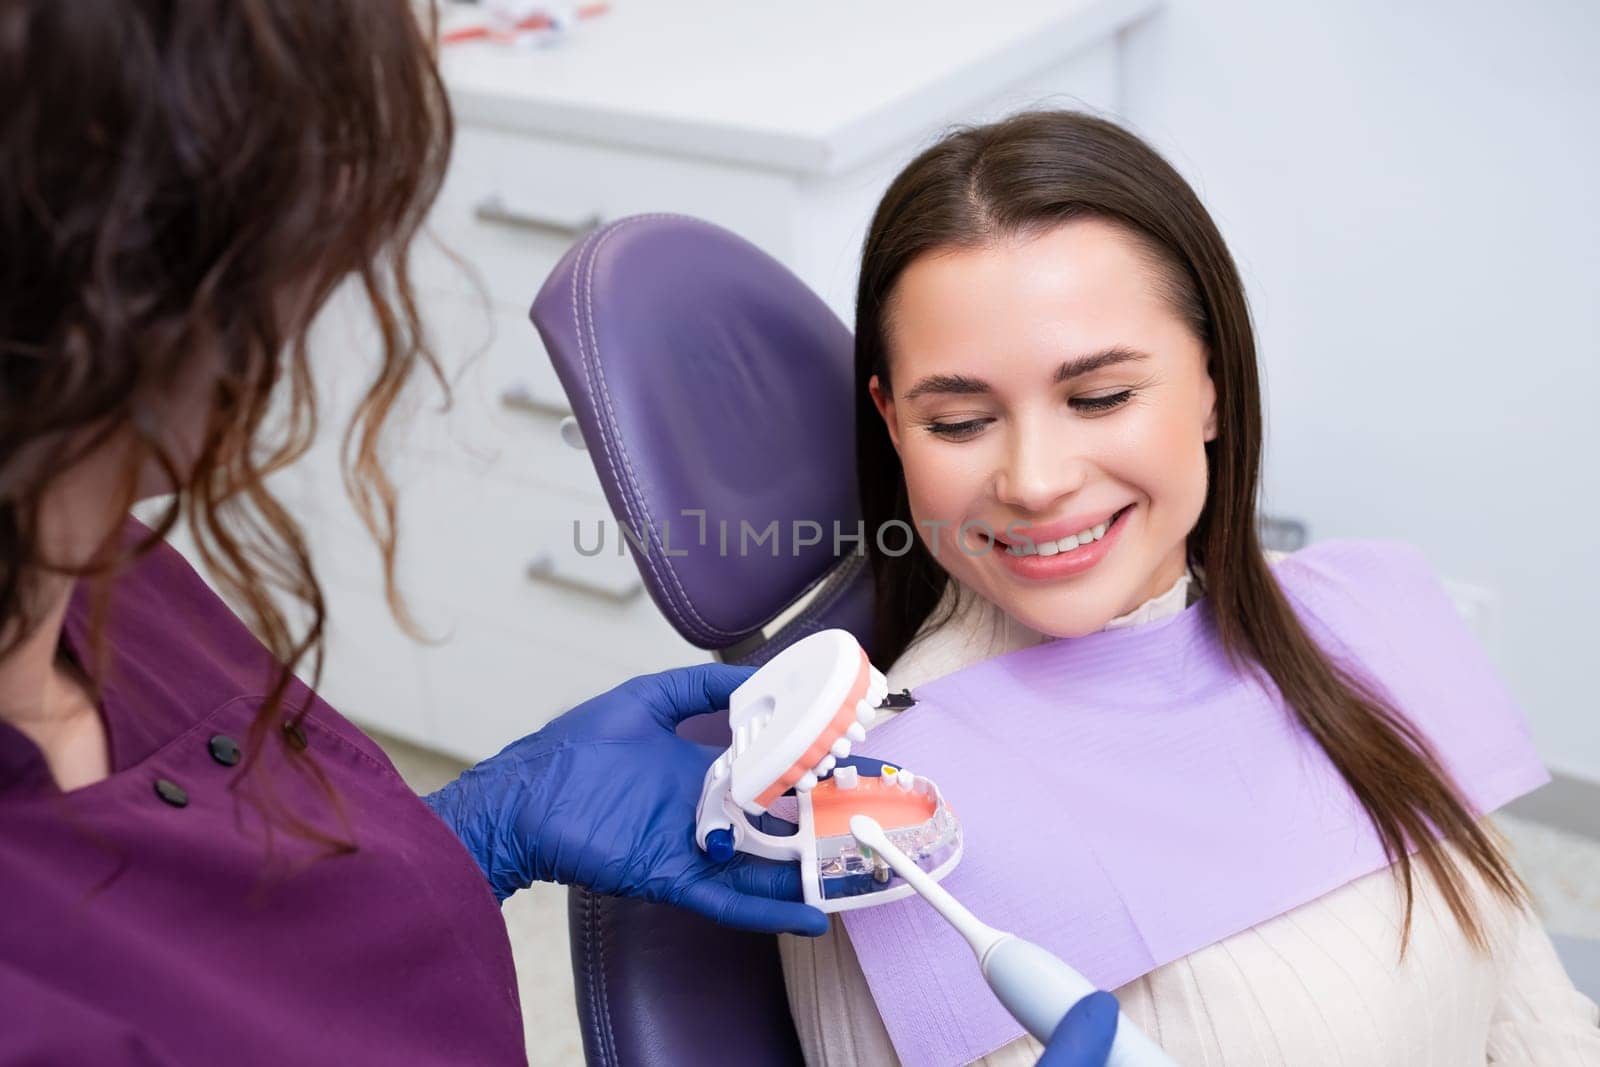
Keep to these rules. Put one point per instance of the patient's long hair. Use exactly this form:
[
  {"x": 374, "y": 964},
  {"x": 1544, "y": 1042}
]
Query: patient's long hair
[
  {"x": 1040, "y": 169},
  {"x": 182, "y": 188}
]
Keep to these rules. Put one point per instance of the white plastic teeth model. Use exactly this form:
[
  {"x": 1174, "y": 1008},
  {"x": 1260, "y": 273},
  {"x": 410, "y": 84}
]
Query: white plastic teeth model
[
  {"x": 791, "y": 723},
  {"x": 866, "y": 709},
  {"x": 794, "y": 707}
]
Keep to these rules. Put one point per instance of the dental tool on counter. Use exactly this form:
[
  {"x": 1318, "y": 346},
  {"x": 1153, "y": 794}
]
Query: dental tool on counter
[
  {"x": 793, "y": 721},
  {"x": 1035, "y": 986}
]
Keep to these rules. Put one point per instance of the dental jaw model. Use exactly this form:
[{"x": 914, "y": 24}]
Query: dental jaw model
[{"x": 792, "y": 722}]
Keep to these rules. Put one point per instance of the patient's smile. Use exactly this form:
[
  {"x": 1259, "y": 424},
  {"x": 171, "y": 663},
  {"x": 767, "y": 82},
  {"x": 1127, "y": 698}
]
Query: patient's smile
[{"x": 1040, "y": 560}]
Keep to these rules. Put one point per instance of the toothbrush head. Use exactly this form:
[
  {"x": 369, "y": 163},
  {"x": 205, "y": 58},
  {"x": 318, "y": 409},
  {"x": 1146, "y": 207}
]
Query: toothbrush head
[
  {"x": 798, "y": 715},
  {"x": 866, "y": 829}
]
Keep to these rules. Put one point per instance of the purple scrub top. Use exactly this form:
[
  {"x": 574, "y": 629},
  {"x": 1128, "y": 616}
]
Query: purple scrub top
[{"x": 146, "y": 919}]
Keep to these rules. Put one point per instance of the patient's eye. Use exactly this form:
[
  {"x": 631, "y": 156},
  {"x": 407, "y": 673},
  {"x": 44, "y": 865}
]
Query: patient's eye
[
  {"x": 956, "y": 431},
  {"x": 1094, "y": 405}
]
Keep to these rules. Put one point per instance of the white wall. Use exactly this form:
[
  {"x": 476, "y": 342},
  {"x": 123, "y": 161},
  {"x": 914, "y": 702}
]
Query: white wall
[{"x": 1412, "y": 191}]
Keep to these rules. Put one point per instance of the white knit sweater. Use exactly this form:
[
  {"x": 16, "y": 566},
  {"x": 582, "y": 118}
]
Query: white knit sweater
[{"x": 1321, "y": 984}]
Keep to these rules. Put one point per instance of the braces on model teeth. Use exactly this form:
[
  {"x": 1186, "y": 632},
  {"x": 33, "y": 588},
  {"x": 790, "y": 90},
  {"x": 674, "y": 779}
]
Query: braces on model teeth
[{"x": 792, "y": 723}]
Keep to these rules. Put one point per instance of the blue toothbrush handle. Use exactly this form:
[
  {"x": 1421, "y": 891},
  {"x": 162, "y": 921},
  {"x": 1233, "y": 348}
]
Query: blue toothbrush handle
[{"x": 1038, "y": 989}]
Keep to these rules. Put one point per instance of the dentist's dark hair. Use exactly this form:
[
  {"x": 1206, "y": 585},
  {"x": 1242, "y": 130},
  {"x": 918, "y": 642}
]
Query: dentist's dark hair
[
  {"x": 1036, "y": 170},
  {"x": 182, "y": 187}
]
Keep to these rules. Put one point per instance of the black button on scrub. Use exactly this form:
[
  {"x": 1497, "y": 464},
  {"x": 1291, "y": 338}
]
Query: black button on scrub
[
  {"x": 296, "y": 735},
  {"x": 171, "y": 792},
  {"x": 225, "y": 750}
]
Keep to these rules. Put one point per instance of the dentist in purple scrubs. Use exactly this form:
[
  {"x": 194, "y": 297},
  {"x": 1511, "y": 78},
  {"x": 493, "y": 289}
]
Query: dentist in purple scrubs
[{"x": 201, "y": 862}]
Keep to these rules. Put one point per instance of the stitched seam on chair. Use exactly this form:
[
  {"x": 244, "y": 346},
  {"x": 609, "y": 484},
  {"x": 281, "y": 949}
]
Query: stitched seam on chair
[
  {"x": 584, "y": 278},
  {"x": 605, "y": 994},
  {"x": 593, "y": 978},
  {"x": 582, "y": 275},
  {"x": 632, "y": 485},
  {"x": 586, "y": 953}
]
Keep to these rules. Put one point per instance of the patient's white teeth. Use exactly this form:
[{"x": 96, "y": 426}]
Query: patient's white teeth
[
  {"x": 807, "y": 782},
  {"x": 866, "y": 712},
  {"x": 845, "y": 777},
  {"x": 906, "y": 780},
  {"x": 856, "y": 732},
  {"x": 841, "y": 747},
  {"x": 1064, "y": 544},
  {"x": 825, "y": 765}
]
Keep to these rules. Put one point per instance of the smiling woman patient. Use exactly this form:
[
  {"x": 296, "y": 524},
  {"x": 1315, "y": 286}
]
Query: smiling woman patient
[
  {"x": 1057, "y": 387},
  {"x": 1091, "y": 396}
]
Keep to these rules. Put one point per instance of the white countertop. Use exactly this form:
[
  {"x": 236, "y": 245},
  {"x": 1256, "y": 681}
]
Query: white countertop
[{"x": 814, "y": 88}]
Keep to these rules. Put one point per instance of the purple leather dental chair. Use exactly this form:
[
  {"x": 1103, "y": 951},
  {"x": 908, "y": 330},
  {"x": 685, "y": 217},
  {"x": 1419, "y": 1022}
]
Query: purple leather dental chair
[{"x": 713, "y": 392}]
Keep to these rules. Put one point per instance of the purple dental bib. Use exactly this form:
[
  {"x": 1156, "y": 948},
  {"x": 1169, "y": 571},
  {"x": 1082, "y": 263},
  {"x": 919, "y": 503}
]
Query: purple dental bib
[{"x": 1129, "y": 797}]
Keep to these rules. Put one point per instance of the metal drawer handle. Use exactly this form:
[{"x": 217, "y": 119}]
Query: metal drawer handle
[
  {"x": 492, "y": 209},
  {"x": 519, "y": 398},
  {"x": 542, "y": 569}
]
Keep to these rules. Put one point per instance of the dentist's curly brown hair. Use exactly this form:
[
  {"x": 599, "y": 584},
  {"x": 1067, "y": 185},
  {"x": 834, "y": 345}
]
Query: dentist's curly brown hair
[{"x": 183, "y": 185}]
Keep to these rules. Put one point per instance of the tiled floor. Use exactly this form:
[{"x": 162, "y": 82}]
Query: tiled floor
[{"x": 1562, "y": 869}]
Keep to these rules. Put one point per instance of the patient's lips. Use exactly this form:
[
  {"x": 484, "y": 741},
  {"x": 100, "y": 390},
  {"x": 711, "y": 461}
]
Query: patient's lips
[{"x": 1071, "y": 556}]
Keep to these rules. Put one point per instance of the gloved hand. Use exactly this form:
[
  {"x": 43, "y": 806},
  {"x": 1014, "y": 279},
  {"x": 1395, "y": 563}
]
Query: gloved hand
[
  {"x": 605, "y": 796},
  {"x": 1084, "y": 1035}
]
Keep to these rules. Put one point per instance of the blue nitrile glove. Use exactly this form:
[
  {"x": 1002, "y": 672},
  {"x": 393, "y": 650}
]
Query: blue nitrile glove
[
  {"x": 1084, "y": 1035},
  {"x": 605, "y": 796}
]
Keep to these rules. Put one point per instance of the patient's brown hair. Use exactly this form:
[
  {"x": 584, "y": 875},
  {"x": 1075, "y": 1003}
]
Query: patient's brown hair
[
  {"x": 1041, "y": 169},
  {"x": 182, "y": 188}
]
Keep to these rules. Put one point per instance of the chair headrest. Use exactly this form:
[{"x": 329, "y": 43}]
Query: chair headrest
[{"x": 706, "y": 377}]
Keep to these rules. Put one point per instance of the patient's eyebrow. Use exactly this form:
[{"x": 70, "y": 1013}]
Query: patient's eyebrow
[
  {"x": 1076, "y": 367},
  {"x": 947, "y": 383}
]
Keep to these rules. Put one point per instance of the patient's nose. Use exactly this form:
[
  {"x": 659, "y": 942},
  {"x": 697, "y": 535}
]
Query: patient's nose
[{"x": 1039, "y": 469}]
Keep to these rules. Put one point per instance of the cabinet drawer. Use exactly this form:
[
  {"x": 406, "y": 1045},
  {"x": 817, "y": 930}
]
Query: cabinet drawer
[
  {"x": 484, "y": 549},
  {"x": 506, "y": 402},
  {"x": 519, "y": 624},
  {"x": 491, "y": 685},
  {"x": 512, "y": 204}
]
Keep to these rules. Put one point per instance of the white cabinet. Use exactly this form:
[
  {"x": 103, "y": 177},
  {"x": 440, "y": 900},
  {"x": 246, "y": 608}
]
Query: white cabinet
[{"x": 783, "y": 125}]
